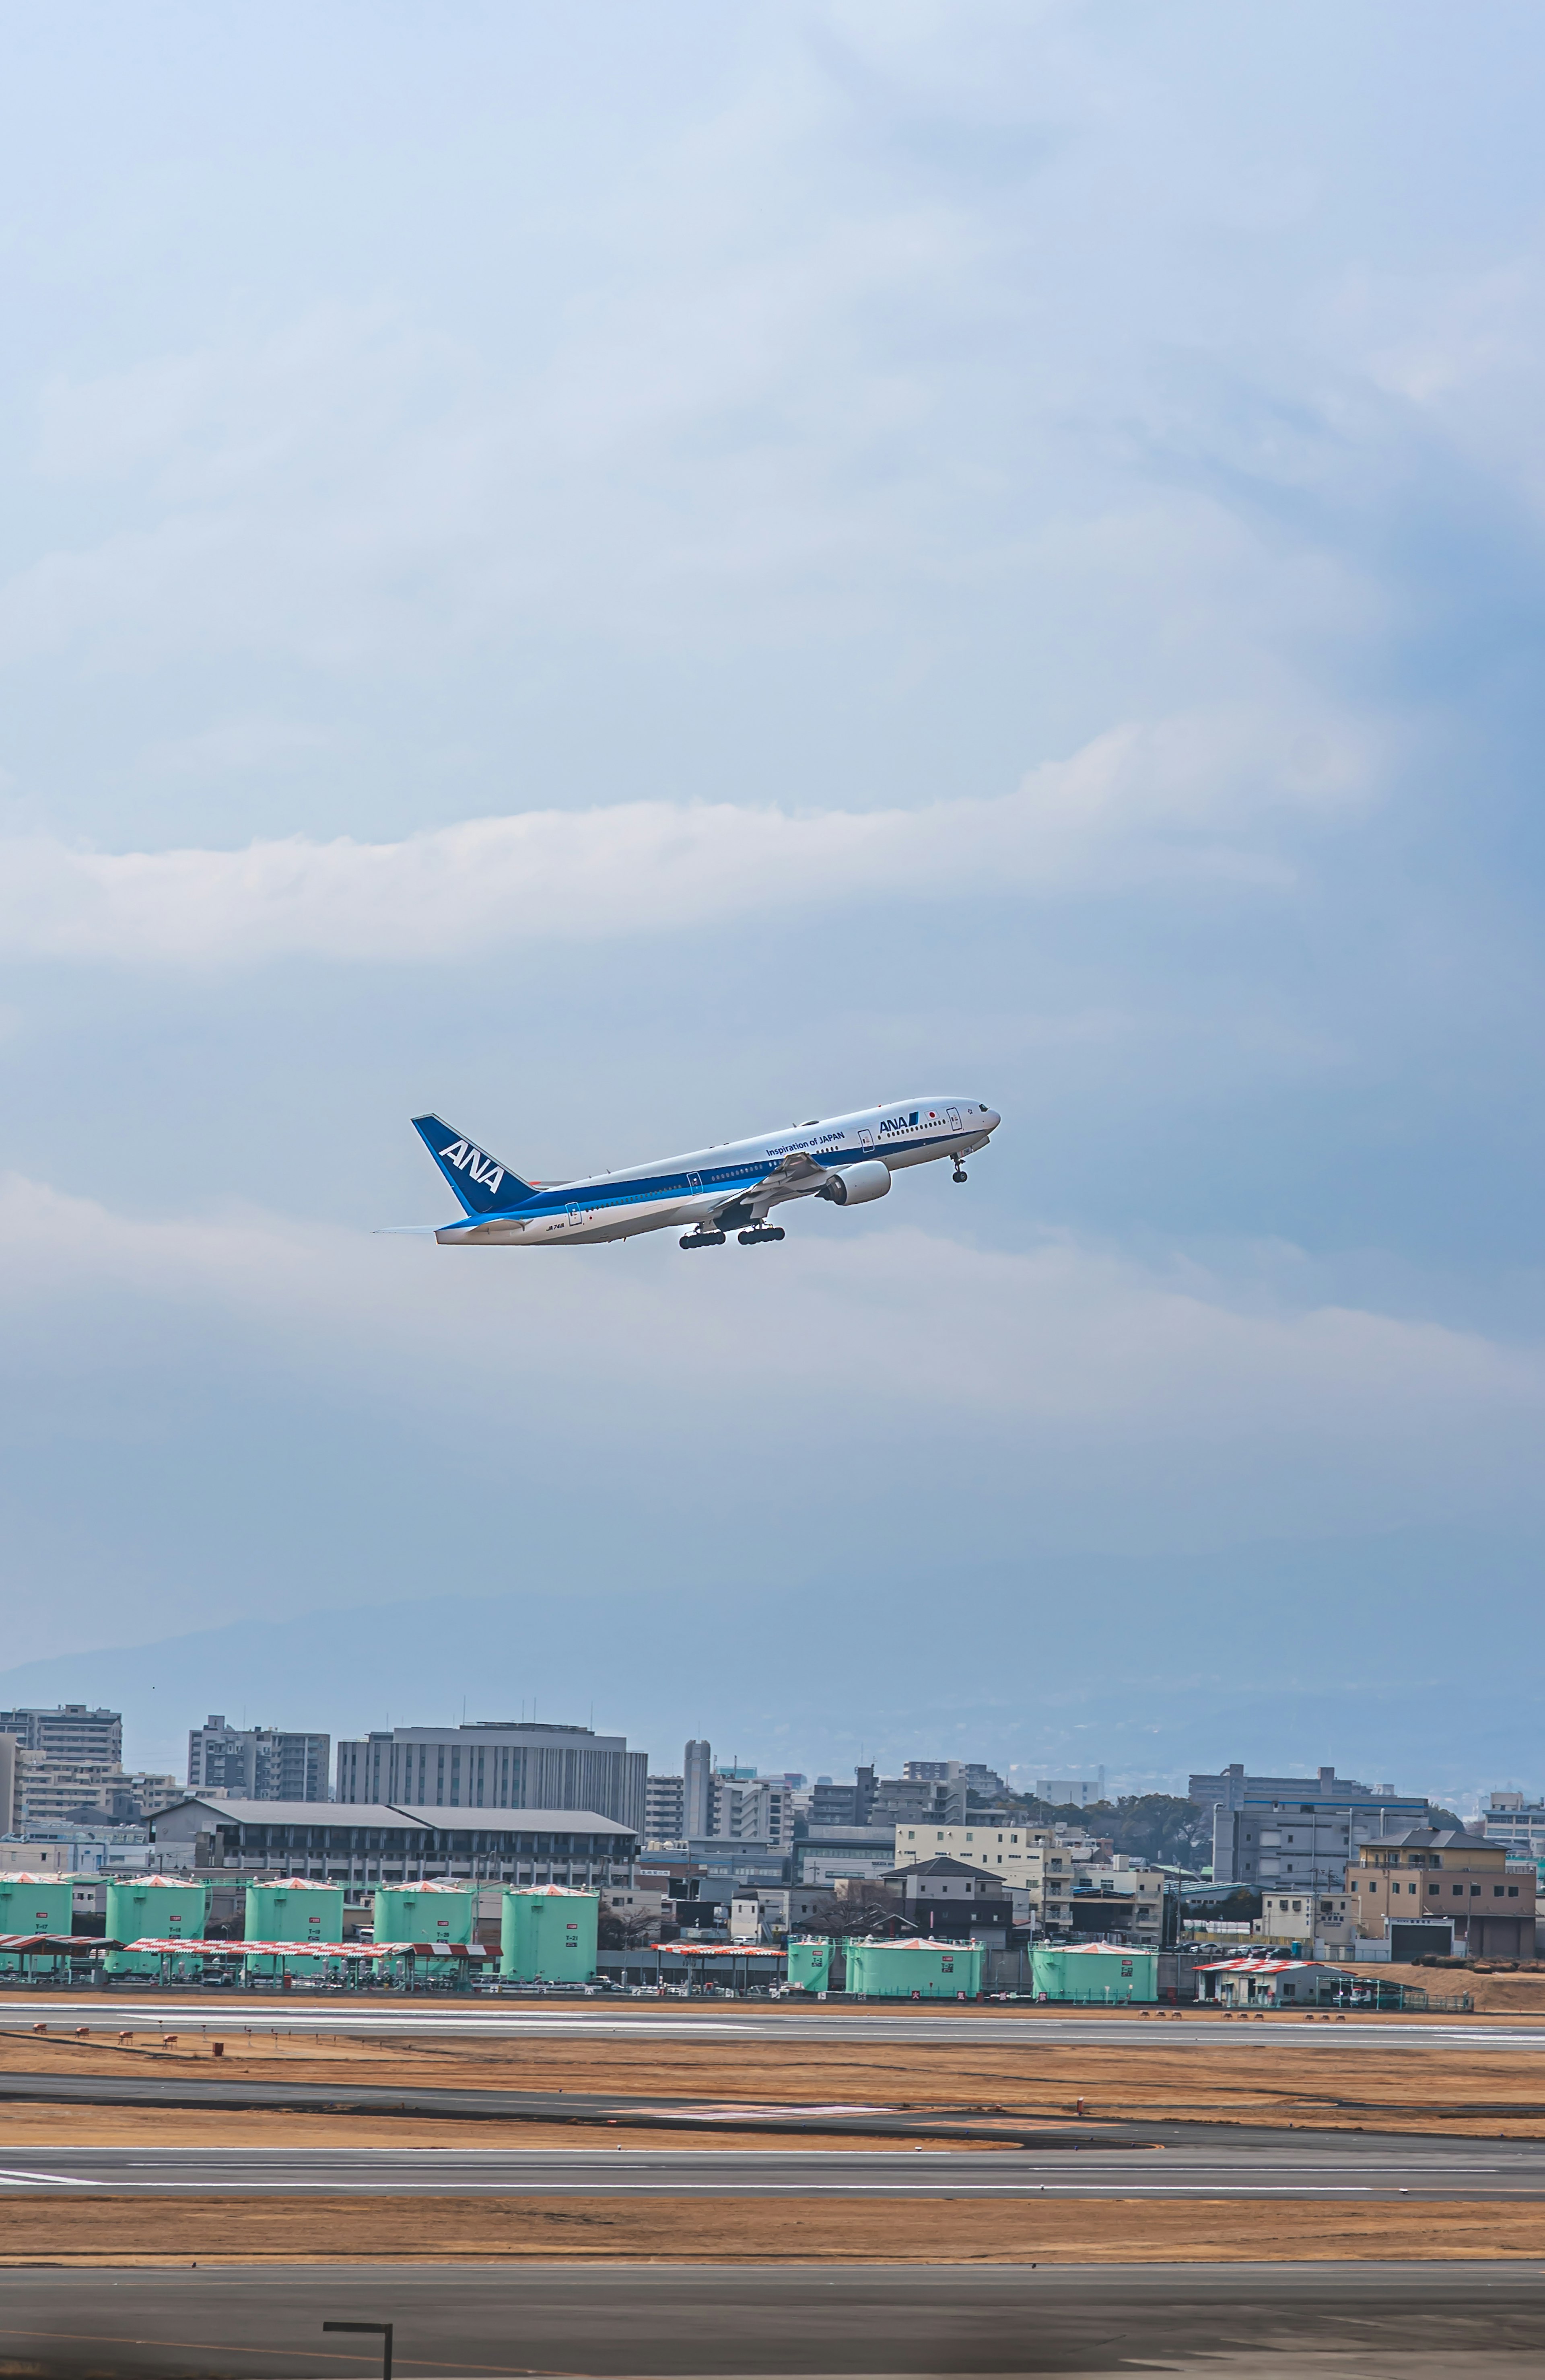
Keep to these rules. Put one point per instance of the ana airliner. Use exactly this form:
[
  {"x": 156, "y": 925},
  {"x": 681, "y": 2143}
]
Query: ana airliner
[{"x": 731, "y": 1187}]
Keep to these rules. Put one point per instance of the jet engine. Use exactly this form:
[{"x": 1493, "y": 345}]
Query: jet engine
[{"x": 854, "y": 1185}]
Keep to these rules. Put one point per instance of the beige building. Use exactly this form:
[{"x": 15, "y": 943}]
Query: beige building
[
  {"x": 1002, "y": 1850},
  {"x": 1428, "y": 1872},
  {"x": 1071, "y": 1882},
  {"x": 49, "y": 1792},
  {"x": 1328, "y": 1920}
]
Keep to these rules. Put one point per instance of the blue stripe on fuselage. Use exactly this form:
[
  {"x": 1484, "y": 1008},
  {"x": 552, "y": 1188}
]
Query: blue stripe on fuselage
[{"x": 630, "y": 1191}]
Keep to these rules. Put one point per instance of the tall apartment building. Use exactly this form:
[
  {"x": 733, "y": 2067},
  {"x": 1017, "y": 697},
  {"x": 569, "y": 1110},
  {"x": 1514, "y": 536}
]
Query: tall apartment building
[
  {"x": 68, "y": 1731},
  {"x": 70, "y": 1758},
  {"x": 842, "y": 1805},
  {"x": 982, "y": 1784},
  {"x": 50, "y": 1792},
  {"x": 664, "y": 1809},
  {"x": 721, "y": 1805},
  {"x": 1297, "y": 1830},
  {"x": 256, "y": 1764},
  {"x": 496, "y": 1765}
]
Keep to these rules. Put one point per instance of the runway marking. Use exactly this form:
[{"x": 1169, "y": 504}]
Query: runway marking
[{"x": 68, "y": 2181}]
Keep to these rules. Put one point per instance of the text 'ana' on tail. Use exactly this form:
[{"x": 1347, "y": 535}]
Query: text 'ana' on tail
[{"x": 483, "y": 1185}]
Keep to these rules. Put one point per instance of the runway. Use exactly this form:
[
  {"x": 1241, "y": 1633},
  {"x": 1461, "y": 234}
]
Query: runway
[
  {"x": 1263, "y": 2165},
  {"x": 495, "y": 2021},
  {"x": 1348, "y": 2321}
]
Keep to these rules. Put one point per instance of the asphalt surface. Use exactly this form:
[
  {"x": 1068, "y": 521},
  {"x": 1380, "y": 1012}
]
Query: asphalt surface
[
  {"x": 1346, "y": 2321},
  {"x": 1263, "y": 2164},
  {"x": 165, "y": 2086},
  {"x": 232, "y": 2014}
]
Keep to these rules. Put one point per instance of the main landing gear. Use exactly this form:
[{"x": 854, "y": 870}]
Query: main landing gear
[
  {"x": 959, "y": 1174},
  {"x": 760, "y": 1232},
  {"x": 702, "y": 1240}
]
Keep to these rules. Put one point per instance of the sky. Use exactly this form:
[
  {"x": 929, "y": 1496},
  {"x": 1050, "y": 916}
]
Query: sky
[{"x": 633, "y": 575}]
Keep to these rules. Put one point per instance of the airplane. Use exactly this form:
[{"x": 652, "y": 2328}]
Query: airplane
[{"x": 733, "y": 1186}]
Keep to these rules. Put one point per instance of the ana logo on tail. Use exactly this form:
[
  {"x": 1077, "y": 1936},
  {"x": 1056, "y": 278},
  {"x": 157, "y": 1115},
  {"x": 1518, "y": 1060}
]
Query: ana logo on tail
[{"x": 476, "y": 1162}]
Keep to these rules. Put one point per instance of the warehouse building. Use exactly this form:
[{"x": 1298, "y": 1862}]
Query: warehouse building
[{"x": 373, "y": 1843}]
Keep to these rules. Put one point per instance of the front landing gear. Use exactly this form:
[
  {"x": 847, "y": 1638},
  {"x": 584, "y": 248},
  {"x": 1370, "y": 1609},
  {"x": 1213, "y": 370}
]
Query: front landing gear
[
  {"x": 959, "y": 1174},
  {"x": 702, "y": 1240},
  {"x": 758, "y": 1232}
]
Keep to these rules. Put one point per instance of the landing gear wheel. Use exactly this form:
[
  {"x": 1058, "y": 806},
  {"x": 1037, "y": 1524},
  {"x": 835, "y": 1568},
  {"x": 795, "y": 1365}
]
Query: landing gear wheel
[
  {"x": 959, "y": 1175},
  {"x": 758, "y": 1232},
  {"x": 702, "y": 1240}
]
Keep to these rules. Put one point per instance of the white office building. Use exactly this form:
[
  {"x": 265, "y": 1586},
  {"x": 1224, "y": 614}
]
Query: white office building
[{"x": 496, "y": 1765}]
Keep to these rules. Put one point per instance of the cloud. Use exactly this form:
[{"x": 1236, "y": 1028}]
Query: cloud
[
  {"x": 1113, "y": 1401},
  {"x": 1189, "y": 799}
]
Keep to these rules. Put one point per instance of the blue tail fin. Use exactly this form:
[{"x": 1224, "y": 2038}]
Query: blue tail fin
[{"x": 482, "y": 1185}]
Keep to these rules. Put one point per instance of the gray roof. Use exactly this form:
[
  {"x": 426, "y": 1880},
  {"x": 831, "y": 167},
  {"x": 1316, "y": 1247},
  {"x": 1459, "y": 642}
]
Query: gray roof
[
  {"x": 1431, "y": 1838},
  {"x": 512, "y": 1822},
  {"x": 290, "y": 1814},
  {"x": 387, "y": 1813},
  {"x": 945, "y": 1866}
]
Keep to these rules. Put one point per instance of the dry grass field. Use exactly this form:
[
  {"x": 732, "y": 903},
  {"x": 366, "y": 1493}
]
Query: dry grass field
[
  {"x": 1276, "y": 2073},
  {"x": 599, "y": 2229}
]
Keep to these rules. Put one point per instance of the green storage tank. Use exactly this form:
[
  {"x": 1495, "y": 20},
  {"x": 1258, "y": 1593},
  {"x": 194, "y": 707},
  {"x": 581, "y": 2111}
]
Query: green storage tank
[
  {"x": 548, "y": 1934},
  {"x": 810, "y": 1965},
  {"x": 1095, "y": 1974},
  {"x": 35, "y": 1904},
  {"x": 426, "y": 1912},
  {"x": 893, "y": 1971},
  {"x": 154, "y": 1908},
  {"x": 292, "y": 1909}
]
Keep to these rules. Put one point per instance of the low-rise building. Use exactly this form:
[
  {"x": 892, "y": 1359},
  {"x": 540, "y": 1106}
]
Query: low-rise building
[
  {"x": 823, "y": 1854},
  {"x": 1001, "y": 1846},
  {"x": 376, "y": 1844},
  {"x": 771, "y": 1912},
  {"x": 1079, "y": 1889},
  {"x": 1271, "y": 1983},
  {"x": 1518, "y": 1824},
  {"x": 1327, "y": 1921},
  {"x": 1446, "y": 1873},
  {"x": 945, "y": 1898}
]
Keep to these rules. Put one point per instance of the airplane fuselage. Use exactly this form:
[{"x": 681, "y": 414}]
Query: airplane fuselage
[{"x": 846, "y": 1159}]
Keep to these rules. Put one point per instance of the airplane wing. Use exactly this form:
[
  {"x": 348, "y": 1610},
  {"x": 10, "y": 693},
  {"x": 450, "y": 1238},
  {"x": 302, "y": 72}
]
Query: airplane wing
[{"x": 796, "y": 1177}]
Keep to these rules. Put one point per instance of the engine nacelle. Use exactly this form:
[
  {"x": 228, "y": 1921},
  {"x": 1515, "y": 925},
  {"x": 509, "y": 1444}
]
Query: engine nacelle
[{"x": 854, "y": 1185}]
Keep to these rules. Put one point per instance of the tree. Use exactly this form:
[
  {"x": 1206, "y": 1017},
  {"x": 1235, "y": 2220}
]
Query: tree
[
  {"x": 846, "y": 1914},
  {"x": 624, "y": 1929},
  {"x": 1158, "y": 1826}
]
